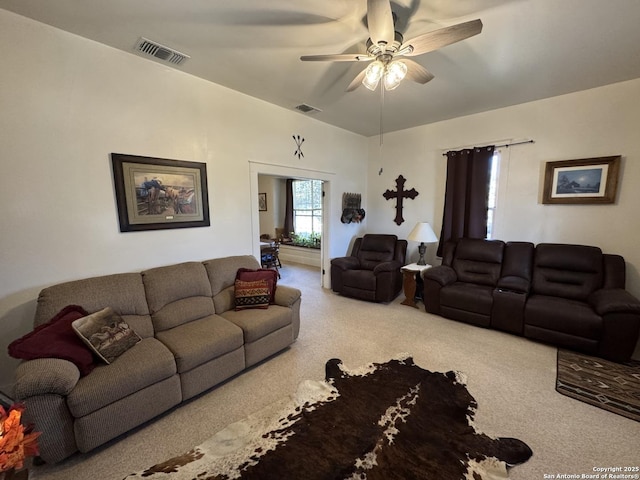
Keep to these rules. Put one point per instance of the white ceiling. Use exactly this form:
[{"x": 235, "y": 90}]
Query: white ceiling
[{"x": 528, "y": 49}]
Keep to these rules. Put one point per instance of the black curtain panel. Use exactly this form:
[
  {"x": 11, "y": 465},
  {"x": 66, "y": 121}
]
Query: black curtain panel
[
  {"x": 288, "y": 208},
  {"x": 466, "y": 195}
]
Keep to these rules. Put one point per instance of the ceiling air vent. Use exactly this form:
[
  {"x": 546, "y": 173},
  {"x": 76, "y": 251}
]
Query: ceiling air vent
[
  {"x": 304, "y": 108},
  {"x": 166, "y": 54}
]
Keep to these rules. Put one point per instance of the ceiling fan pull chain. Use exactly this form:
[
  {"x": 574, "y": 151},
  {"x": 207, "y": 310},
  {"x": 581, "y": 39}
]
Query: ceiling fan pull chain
[
  {"x": 381, "y": 128},
  {"x": 381, "y": 111}
]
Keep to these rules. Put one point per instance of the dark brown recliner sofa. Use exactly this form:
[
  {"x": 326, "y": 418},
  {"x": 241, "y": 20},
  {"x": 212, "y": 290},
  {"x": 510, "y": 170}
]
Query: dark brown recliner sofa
[
  {"x": 567, "y": 295},
  {"x": 372, "y": 271}
]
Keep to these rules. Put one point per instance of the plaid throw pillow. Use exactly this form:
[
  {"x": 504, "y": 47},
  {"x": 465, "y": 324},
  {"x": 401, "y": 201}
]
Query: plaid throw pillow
[{"x": 251, "y": 294}]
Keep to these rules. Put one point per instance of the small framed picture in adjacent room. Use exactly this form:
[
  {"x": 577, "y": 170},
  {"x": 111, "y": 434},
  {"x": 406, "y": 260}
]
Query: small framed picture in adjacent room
[{"x": 262, "y": 202}]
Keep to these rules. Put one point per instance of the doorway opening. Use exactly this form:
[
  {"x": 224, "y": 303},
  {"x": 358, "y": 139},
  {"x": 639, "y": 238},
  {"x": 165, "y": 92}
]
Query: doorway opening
[{"x": 269, "y": 182}]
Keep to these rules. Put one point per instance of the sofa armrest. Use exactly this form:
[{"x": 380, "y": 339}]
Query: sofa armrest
[
  {"x": 441, "y": 274},
  {"x": 286, "y": 296},
  {"x": 392, "y": 266},
  {"x": 614, "y": 300},
  {"x": 512, "y": 283},
  {"x": 345, "y": 263},
  {"x": 45, "y": 376}
]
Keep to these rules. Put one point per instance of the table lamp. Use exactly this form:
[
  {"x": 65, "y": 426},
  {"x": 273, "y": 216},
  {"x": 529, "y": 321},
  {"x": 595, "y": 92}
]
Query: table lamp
[{"x": 422, "y": 233}]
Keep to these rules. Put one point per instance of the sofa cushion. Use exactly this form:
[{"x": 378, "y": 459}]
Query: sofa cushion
[
  {"x": 56, "y": 339},
  {"x": 256, "y": 324},
  {"x": 252, "y": 275},
  {"x": 145, "y": 364},
  {"x": 123, "y": 292},
  {"x": 478, "y": 261},
  {"x": 106, "y": 334},
  {"x": 177, "y": 294},
  {"x": 199, "y": 341},
  {"x": 563, "y": 315},
  {"x": 251, "y": 294},
  {"x": 375, "y": 249},
  {"x": 222, "y": 271},
  {"x": 468, "y": 296},
  {"x": 362, "y": 279},
  {"x": 567, "y": 271}
]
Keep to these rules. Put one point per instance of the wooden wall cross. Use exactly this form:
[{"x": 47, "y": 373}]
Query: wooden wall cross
[{"x": 400, "y": 194}]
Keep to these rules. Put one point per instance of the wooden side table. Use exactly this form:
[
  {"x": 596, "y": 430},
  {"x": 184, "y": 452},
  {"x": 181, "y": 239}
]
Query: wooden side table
[{"x": 409, "y": 273}]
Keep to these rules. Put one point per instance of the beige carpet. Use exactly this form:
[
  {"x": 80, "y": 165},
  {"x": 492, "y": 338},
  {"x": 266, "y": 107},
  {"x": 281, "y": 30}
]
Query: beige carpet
[{"x": 512, "y": 379}]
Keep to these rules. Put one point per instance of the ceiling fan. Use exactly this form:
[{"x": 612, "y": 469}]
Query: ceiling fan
[{"x": 385, "y": 45}]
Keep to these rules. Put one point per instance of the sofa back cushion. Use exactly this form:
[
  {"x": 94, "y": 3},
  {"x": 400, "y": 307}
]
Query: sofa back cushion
[
  {"x": 567, "y": 271},
  {"x": 375, "y": 249},
  {"x": 221, "y": 273},
  {"x": 123, "y": 292},
  {"x": 478, "y": 261},
  {"x": 177, "y": 294}
]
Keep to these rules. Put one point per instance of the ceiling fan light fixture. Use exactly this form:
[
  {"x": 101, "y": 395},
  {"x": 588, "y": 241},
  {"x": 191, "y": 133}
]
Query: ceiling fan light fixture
[
  {"x": 373, "y": 74},
  {"x": 393, "y": 74}
]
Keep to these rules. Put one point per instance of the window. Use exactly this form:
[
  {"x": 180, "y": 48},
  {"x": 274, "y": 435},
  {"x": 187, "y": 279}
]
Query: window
[
  {"x": 493, "y": 192},
  {"x": 307, "y": 208}
]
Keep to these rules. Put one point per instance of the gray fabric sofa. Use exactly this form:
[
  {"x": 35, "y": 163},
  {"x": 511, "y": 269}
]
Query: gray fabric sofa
[{"x": 192, "y": 339}]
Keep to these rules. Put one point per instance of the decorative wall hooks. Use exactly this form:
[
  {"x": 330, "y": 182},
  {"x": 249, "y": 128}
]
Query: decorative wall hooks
[
  {"x": 400, "y": 194},
  {"x": 299, "y": 141},
  {"x": 351, "y": 211}
]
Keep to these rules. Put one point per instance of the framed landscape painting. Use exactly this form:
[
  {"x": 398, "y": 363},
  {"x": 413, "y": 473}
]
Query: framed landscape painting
[
  {"x": 158, "y": 193},
  {"x": 589, "y": 180}
]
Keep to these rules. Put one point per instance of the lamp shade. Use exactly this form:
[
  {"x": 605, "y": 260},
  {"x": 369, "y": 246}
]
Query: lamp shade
[{"x": 423, "y": 233}]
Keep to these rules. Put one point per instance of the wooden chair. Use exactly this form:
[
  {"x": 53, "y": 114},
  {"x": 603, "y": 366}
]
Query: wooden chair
[{"x": 270, "y": 257}]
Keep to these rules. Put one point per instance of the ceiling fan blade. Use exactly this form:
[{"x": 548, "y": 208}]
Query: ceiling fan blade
[
  {"x": 380, "y": 21},
  {"x": 431, "y": 41},
  {"x": 338, "y": 57},
  {"x": 417, "y": 72},
  {"x": 356, "y": 82}
]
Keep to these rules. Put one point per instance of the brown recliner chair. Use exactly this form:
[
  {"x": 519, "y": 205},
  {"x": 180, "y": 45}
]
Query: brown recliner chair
[{"x": 372, "y": 272}]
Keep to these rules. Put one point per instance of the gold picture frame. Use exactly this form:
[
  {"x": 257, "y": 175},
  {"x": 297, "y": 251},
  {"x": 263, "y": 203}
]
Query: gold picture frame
[{"x": 582, "y": 181}]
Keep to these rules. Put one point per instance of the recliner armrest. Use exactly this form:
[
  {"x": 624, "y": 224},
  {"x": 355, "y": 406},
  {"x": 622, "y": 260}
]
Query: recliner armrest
[
  {"x": 286, "y": 296},
  {"x": 44, "y": 376},
  {"x": 610, "y": 300},
  {"x": 391, "y": 266},
  {"x": 442, "y": 274},
  {"x": 345, "y": 263},
  {"x": 512, "y": 283}
]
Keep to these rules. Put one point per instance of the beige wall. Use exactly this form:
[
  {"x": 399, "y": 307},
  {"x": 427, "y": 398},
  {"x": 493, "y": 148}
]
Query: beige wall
[{"x": 66, "y": 103}]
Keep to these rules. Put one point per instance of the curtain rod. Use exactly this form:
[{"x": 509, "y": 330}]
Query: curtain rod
[{"x": 503, "y": 145}]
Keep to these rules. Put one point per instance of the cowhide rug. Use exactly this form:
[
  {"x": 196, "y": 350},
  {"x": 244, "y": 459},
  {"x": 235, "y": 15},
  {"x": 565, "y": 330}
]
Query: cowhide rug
[{"x": 385, "y": 421}]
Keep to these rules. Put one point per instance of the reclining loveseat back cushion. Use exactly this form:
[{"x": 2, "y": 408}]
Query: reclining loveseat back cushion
[
  {"x": 375, "y": 249},
  {"x": 567, "y": 271},
  {"x": 222, "y": 277},
  {"x": 123, "y": 292},
  {"x": 177, "y": 294},
  {"x": 478, "y": 261}
]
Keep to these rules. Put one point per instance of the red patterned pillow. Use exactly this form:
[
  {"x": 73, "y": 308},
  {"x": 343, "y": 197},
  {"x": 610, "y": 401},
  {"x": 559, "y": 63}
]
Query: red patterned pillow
[
  {"x": 251, "y": 294},
  {"x": 56, "y": 339},
  {"x": 271, "y": 276}
]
